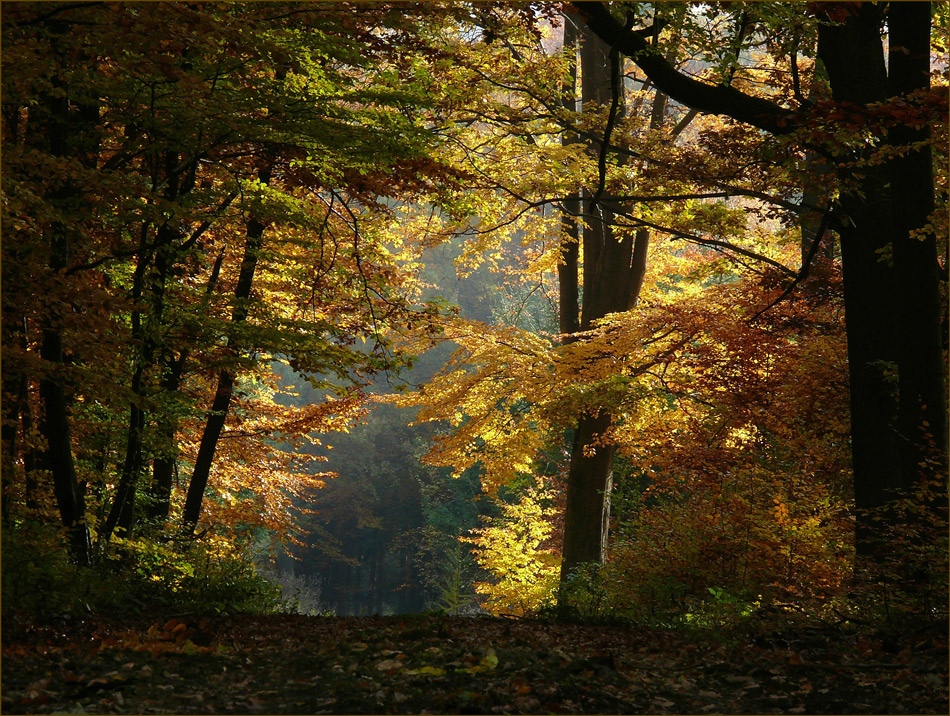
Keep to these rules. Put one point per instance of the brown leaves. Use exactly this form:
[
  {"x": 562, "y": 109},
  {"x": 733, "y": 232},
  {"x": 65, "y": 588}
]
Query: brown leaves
[{"x": 357, "y": 665}]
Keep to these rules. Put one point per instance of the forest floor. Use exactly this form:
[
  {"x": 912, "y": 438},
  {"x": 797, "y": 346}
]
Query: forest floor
[{"x": 458, "y": 665}]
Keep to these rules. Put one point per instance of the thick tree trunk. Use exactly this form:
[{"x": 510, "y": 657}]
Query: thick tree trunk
[
  {"x": 66, "y": 140},
  {"x": 58, "y": 458},
  {"x": 586, "y": 518},
  {"x": 923, "y": 409},
  {"x": 892, "y": 306},
  {"x": 853, "y": 56},
  {"x": 614, "y": 271},
  {"x": 225, "y": 389},
  {"x": 587, "y": 506}
]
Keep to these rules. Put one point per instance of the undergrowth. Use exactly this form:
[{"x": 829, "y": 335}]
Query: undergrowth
[{"x": 130, "y": 577}]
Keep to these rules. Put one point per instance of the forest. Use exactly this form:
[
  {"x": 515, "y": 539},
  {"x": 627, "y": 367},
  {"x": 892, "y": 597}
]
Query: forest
[{"x": 587, "y": 337}]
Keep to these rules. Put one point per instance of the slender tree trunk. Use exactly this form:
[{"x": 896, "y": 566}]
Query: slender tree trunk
[
  {"x": 225, "y": 389},
  {"x": 54, "y": 426},
  {"x": 568, "y": 267},
  {"x": 144, "y": 330},
  {"x": 152, "y": 273},
  {"x": 11, "y": 425},
  {"x": 30, "y": 461},
  {"x": 814, "y": 193},
  {"x": 17, "y": 416},
  {"x": 163, "y": 466}
]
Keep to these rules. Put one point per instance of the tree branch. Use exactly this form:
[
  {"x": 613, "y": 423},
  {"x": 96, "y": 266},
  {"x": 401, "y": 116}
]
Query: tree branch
[{"x": 711, "y": 99}]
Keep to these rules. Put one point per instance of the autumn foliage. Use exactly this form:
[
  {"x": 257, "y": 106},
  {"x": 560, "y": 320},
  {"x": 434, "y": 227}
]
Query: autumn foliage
[{"x": 216, "y": 221}]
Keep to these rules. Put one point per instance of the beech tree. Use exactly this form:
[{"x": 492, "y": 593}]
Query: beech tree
[
  {"x": 734, "y": 186},
  {"x": 136, "y": 194},
  {"x": 883, "y": 219},
  {"x": 200, "y": 200}
]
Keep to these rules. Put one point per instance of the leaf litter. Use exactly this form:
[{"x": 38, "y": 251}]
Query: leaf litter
[{"x": 456, "y": 665}]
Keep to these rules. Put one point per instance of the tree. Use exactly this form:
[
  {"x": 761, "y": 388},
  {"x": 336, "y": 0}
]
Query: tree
[
  {"x": 223, "y": 392},
  {"x": 893, "y": 308},
  {"x": 135, "y": 196},
  {"x": 731, "y": 186},
  {"x": 614, "y": 267}
]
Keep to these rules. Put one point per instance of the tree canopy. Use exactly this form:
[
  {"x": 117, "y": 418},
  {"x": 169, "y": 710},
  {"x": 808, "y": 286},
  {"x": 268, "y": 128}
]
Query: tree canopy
[{"x": 699, "y": 370}]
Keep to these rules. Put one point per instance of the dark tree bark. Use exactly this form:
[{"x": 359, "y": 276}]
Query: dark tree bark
[
  {"x": 568, "y": 290},
  {"x": 151, "y": 274},
  {"x": 815, "y": 194},
  {"x": 11, "y": 426},
  {"x": 163, "y": 466},
  {"x": 898, "y": 406},
  {"x": 853, "y": 56},
  {"x": 712, "y": 99},
  {"x": 892, "y": 315},
  {"x": 68, "y": 126},
  {"x": 17, "y": 419},
  {"x": 58, "y": 458},
  {"x": 123, "y": 502},
  {"x": 923, "y": 422},
  {"x": 614, "y": 267},
  {"x": 587, "y": 511},
  {"x": 222, "y": 396}
]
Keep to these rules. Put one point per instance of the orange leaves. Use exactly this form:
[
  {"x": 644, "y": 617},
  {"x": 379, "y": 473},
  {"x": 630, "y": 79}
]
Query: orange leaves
[
  {"x": 175, "y": 636},
  {"x": 507, "y": 390},
  {"x": 746, "y": 469}
]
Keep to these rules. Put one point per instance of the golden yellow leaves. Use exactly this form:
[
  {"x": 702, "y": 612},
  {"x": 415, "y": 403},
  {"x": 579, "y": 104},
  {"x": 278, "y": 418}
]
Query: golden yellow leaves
[
  {"x": 514, "y": 550},
  {"x": 507, "y": 391}
]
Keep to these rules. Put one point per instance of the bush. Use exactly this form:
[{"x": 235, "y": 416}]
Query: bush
[
  {"x": 37, "y": 575},
  {"x": 132, "y": 577}
]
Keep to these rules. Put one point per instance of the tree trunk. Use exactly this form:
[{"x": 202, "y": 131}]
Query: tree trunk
[
  {"x": 145, "y": 330},
  {"x": 66, "y": 140},
  {"x": 853, "y": 56},
  {"x": 614, "y": 268},
  {"x": 568, "y": 289},
  {"x": 163, "y": 466},
  {"x": 923, "y": 409},
  {"x": 225, "y": 389},
  {"x": 892, "y": 306},
  {"x": 589, "y": 478},
  {"x": 58, "y": 458},
  {"x": 614, "y": 271},
  {"x": 164, "y": 462},
  {"x": 17, "y": 417},
  {"x": 206, "y": 450},
  {"x": 586, "y": 518}
]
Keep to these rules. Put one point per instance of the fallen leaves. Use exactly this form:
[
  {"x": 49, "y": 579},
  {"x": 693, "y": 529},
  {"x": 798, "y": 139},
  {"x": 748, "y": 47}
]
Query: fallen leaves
[
  {"x": 389, "y": 665},
  {"x": 294, "y": 664}
]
